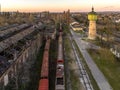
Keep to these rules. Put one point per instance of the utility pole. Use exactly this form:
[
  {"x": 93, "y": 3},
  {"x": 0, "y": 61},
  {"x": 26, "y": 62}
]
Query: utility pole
[{"x": 0, "y": 9}]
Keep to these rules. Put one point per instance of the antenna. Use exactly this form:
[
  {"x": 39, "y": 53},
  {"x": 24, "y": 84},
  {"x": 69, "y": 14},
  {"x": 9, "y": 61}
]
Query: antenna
[{"x": 92, "y": 8}]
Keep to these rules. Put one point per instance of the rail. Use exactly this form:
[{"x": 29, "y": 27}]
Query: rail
[{"x": 84, "y": 78}]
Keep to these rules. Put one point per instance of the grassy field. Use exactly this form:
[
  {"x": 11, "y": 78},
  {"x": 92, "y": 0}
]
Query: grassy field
[{"x": 109, "y": 65}]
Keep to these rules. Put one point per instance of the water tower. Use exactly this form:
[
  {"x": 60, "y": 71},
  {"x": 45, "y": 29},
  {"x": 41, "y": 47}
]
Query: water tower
[{"x": 92, "y": 17}]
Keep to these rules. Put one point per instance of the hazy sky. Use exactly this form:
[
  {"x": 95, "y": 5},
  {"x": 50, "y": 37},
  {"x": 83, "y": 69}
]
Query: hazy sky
[{"x": 60, "y": 5}]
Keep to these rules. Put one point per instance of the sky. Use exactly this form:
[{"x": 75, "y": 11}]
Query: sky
[{"x": 59, "y": 5}]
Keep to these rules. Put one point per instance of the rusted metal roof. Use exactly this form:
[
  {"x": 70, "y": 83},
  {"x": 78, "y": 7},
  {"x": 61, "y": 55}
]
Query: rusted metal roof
[{"x": 11, "y": 40}]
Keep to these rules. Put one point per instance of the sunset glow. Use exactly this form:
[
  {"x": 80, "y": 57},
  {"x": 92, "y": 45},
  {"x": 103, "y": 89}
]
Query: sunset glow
[{"x": 59, "y": 5}]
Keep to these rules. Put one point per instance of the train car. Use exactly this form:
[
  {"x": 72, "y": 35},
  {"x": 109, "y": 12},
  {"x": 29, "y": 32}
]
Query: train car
[
  {"x": 44, "y": 80},
  {"x": 47, "y": 46},
  {"x": 44, "y": 84},
  {"x": 44, "y": 69},
  {"x": 60, "y": 66},
  {"x": 60, "y": 77},
  {"x": 45, "y": 65},
  {"x": 60, "y": 49},
  {"x": 60, "y": 53}
]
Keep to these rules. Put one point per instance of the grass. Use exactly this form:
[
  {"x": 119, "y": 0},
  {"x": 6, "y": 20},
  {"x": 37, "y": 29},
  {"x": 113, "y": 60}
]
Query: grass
[
  {"x": 52, "y": 64},
  {"x": 73, "y": 77},
  {"x": 35, "y": 71},
  {"x": 109, "y": 65},
  {"x": 98, "y": 42},
  {"x": 95, "y": 86},
  {"x": 75, "y": 81}
]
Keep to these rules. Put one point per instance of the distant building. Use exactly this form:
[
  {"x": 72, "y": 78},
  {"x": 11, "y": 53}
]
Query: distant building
[
  {"x": 76, "y": 26},
  {"x": 117, "y": 21},
  {"x": 92, "y": 17}
]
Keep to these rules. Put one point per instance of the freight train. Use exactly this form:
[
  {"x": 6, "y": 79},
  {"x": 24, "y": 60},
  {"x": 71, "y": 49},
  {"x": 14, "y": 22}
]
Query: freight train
[
  {"x": 44, "y": 80},
  {"x": 59, "y": 84}
]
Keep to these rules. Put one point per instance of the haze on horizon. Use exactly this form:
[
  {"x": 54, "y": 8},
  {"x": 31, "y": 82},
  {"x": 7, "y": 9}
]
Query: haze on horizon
[{"x": 59, "y": 5}]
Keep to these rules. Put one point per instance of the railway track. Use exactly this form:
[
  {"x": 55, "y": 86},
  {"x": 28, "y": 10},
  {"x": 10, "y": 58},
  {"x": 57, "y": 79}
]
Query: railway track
[
  {"x": 60, "y": 80},
  {"x": 84, "y": 78}
]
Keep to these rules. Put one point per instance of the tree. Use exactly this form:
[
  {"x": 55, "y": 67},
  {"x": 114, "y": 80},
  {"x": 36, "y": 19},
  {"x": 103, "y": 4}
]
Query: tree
[{"x": 31, "y": 18}]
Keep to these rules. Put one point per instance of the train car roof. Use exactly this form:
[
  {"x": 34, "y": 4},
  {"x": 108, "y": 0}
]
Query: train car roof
[{"x": 43, "y": 84}]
